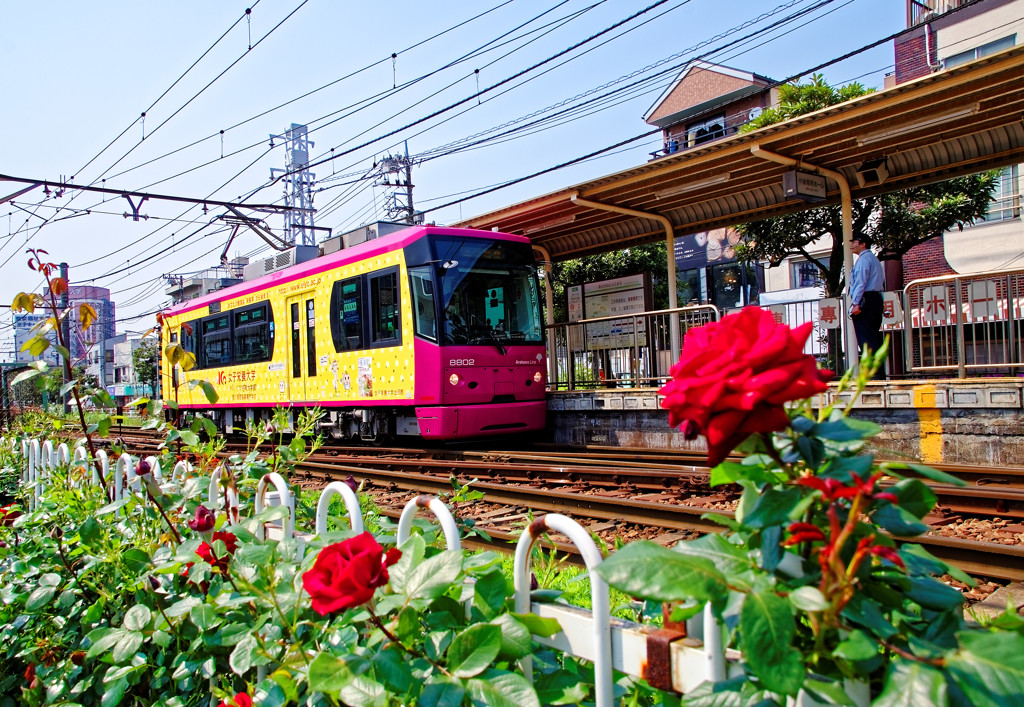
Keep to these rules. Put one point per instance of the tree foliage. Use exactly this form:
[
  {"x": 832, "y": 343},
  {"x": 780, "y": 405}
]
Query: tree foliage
[
  {"x": 896, "y": 221},
  {"x": 146, "y": 360},
  {"x": 606, "y": 266}
]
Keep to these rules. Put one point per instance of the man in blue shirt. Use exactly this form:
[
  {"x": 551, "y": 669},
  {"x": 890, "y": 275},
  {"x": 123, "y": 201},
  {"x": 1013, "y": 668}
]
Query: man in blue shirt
[{"x": 866, "y": 285}]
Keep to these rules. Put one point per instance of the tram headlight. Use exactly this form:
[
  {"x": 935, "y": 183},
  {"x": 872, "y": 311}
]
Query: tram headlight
[
  {"x": 454, "y": 379},
  {"x": 538, "y": 377}
]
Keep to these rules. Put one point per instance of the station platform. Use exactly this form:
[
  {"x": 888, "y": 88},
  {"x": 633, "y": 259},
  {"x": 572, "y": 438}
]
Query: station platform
[{"x": 951, "y": 421}]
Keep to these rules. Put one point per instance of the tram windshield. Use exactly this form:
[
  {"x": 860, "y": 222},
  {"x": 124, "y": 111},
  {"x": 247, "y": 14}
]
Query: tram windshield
[{"x": 486, "y": 292}]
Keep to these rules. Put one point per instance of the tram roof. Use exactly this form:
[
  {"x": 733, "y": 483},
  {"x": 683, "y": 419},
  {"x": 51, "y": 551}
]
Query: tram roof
[{"x": 948, "y": 124}]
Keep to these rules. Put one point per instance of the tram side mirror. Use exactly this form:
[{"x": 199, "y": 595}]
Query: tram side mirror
[{"x": 448, "y": 265}]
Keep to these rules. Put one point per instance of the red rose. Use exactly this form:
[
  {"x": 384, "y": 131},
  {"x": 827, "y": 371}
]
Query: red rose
[
  {"x": 203, "y": 521},
  {"x": 242, "y": 699},
  {"x": 8, "y": 514},
  {"x": 205, "y": 551},
  {"x": 346, "y": 573},
  {"x": 734, "y": 376}
]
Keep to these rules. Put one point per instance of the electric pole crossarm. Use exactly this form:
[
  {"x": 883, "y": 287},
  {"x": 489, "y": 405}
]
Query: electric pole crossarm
[
  {"x": 271, "y": 208},
  {"x": 273, "y": 240}
]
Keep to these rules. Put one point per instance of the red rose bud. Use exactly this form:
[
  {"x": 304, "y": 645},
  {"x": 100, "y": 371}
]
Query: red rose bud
[
  {"x": 346, "y": 574},
  {"x": 352, "y": 483},
  {"x": 142, "y": 468},
  {"x": 242, "y": 699},
  {"x": 203, "y": 521},
  {"x": 735, "y": 375}
]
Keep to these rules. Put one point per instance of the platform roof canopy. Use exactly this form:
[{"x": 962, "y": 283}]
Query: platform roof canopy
[{"x": 956, "y": 122}]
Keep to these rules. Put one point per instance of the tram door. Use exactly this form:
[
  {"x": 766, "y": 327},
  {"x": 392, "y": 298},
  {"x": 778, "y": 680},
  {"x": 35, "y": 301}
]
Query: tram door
[{"x": 302, "y": 347}]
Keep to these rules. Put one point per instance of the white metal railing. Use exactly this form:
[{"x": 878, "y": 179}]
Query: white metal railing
[
  {"x": 631, "y": 351},
  {"x": 965, "y": 323},
  {"x": 610, "y": 643}
]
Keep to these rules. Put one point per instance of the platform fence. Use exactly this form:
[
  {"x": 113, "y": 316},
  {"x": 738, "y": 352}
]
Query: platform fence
[{"x": 634, "y": 351}]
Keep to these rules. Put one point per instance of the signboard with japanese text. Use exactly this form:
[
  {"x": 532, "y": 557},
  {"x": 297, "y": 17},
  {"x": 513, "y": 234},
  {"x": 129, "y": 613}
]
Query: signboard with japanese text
[
  {"x": 984, "y": 300},
  {"x": 830, "y": 312},
  {"x": 892, "y": 310},
  {"x": 608, "y": 298},
  {"x": 935, "y": 305}
]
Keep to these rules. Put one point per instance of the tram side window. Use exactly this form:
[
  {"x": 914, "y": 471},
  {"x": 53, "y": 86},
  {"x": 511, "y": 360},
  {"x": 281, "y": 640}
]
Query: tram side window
[
  {"x": 384, "y": 308},
  {"x": 423, "y": 303},
  {"x": 216, "y": 341},
  {"x": 253, "y": 335},
  {"x": 346, "y": 320}
]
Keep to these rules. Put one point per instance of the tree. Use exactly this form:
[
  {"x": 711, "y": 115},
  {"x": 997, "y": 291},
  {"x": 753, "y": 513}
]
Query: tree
[
  {"x": 896, "y": 222},
  {"x": 146, "y": 360},
  {"x": 606, "y": 266}
]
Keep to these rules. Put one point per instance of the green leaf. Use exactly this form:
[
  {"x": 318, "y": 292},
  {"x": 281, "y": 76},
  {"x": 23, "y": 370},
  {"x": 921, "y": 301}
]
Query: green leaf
[
  {"x": 915, "y": 496},
  {"x": 516, "y": 641},
  {"x": 898, "y": 521},
  {"x": 473, "y": 649},
  {"x": 856, "y": 647},
  {"x": 538, "y": 626},
  {"x": 329, "y": 674},
  {"x": 933, "y": 594},
  {"x": 209, "y": 391},
  {"x": 137, "y": 618},
  {"x": 728, "y": 558},
  {"x": 434, "y": 575},
  {"x": 103, "y": 426},
  {"x": 646, "y": 570},
  {"x": 243, "y": 655},
  {"x": 441, "y": 692},
  {"x": 113, "y": 692},
  {"x": 103, "y": 639},
  {"x": 363, "y": 692},
  {"x": 127, "y": 646},
  {"x": 136, "y": 560},
  {"x": 393, "y": 670},
  {"x": 507, "y": 690},
  {"x": 490, "y": 592},
  {"x": 845, "y": 429},
  {"x": 773, "y": 507},
  {"x": 50, "y": 579},
  {"x": 182, "y": 607},
  {"x": 39, "y": 598},
  {"x": 24, "y": 376},
  {"x": 767, "y": 627},
  {"x": 204, "y": 617},
  {"x": 808, "y": 599},
  {"x": 920, "y": 561},
  {"x": 912, "y": 684},
  {"x": 927, "y": 472},
  {"x": 189, "y": 439},
  {"x": 989, "y": 667}
]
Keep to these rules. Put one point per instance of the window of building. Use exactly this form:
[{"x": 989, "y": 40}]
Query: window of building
[
  {"x": 346, "y": 320},
  {"x": 385, "y": 329},
  {"x": 979, "y": 52},
  {"x": 705, "y": 131},
  {"x": 1005, "y": 203},
  {"x": 254, "y": 335},
  {"x": 806, "y": 274}
]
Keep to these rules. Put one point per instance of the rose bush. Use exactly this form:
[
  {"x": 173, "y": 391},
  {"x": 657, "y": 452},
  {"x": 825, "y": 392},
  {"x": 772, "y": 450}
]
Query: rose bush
[
  {"x": 814, "y": 580},
  {"x": 735, "y": 375},
  {"x": 346, "y": 574}
]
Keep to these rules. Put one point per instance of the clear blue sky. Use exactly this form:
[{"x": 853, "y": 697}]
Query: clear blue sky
[{"x": 75, "y": 78}]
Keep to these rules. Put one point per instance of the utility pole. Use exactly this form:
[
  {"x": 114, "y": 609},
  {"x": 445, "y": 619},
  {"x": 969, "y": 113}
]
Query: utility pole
[
  {"x": 65, "y": 327},
  {"x": 396, "y": 165}
]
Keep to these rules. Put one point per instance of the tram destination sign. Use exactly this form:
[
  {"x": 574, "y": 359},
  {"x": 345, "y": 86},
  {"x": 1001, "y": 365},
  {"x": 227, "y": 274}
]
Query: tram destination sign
[{"x": 803, "y": 185}]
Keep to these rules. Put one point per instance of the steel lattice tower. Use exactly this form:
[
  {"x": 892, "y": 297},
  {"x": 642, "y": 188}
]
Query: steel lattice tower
[{"x": 298, "y": 186}]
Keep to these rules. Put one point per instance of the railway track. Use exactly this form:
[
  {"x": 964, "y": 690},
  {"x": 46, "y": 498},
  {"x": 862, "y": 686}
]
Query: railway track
[{"x": 634, "y": 493}]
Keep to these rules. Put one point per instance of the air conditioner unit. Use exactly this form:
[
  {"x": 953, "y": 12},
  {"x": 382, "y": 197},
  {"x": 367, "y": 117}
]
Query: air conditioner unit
[{"x": 280, "y": 261}]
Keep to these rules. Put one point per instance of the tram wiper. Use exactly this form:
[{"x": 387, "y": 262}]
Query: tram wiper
[{"x": 489, "y": 335}]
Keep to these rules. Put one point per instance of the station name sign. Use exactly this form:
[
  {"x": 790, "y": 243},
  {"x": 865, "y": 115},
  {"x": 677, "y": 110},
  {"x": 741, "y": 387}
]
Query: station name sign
[{"x": 803, "y": 185}]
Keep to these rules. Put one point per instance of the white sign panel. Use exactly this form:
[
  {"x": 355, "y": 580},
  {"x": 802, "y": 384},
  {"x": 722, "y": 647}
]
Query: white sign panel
[
  {"x": 830, "y": 313},
  {"x": 935, "y": 305},
  {"x": 892, "y": 310},
  {"x": 575, "y": 297},
  {"x": 983, "y": 299}
]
